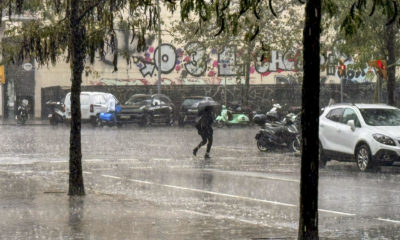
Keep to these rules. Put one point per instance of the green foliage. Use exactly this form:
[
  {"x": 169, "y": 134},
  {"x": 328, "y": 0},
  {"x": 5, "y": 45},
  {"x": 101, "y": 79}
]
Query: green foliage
[
  {"x": 45, "y": 38},
  {"x": 240, "y": 23},
  {"x": 360, "y": 29}
]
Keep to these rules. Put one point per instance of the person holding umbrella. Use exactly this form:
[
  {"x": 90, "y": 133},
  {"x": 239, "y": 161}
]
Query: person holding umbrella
[{"x": 204, "y": 129}]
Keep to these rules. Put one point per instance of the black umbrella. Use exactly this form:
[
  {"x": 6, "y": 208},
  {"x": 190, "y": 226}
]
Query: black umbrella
[{"x": 204, "y": 104}]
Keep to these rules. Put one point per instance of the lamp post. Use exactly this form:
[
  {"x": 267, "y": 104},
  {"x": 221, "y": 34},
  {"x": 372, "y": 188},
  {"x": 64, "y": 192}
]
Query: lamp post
[
  {"x": 159, "y": 48},
  {"x": 342, "y": 73}
]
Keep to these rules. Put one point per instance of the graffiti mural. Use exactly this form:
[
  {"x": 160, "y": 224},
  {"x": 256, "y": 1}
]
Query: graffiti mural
[{"x": 195, "y": 64}]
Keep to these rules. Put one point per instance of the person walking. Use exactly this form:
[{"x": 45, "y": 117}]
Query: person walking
[{"x": 205, "y": 130}]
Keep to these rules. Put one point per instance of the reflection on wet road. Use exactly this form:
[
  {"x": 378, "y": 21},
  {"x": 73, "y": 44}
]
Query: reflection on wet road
[{"x": 238, "y": 184}]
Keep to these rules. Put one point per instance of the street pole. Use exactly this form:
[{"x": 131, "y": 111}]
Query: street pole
[
  {"x": 341, "y": 89},
  {"x": 379, "y": 88},
  {"x": 159, "y": 48},
  {"x": 225, "y": 93}
]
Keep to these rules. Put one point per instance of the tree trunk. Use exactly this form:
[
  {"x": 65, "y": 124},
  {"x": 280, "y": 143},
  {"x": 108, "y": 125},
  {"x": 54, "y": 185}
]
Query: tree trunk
[
  {"x": 308, "y": 220},
  {"x": 77, "y": 53},
  {"x": 391, "y": 71}
]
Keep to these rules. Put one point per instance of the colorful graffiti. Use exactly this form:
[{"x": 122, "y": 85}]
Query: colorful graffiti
[{"x": 195, "y": 64}]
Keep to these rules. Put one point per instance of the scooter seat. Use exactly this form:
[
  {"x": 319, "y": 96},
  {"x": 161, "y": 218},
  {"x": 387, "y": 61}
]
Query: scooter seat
[{"x": 106, "y": 116}]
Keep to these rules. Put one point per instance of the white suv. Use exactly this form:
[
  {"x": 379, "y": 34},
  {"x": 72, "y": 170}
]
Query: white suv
[
  {"x": 366, "y": 133},
  {"x": 92, "y": 104}
]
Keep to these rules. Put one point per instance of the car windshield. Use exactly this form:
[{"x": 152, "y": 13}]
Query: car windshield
[
  {"x": 191, "y": 101},
  {"x": 138, "y": 100},
  {"x": 381, "y": 117}
]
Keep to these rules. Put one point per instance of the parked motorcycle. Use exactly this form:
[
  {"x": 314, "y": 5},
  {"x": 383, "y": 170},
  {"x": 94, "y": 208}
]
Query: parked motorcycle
[
  {"x": 107, "y": 118},
  {"x": 22, "y": 112},
  {"x": 57, "y": 112},
  {"x": 228, "y": 117},
  {"x": 280, "y": 134}
]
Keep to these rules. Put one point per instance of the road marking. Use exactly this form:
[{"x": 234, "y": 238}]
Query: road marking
[
  {"x": 249, "y": 174},
  {"x": 129, "y": 159},
  {"x": 102, "y": 169},
  {"x": 218, "y": 216},
  {"x": 140, "y": 167},
  {"x": 87, "y": 172},
  {"x": 388, "y": 220},
  {"x": 228, "y": 158},
  {"x": 226, "y": 195},
  {"x": 140, "y": 181},
  {"x": 109, "y": 176},
  {"x": 162, "y": 159},
  {"x": 336, "y": 212},
  {"x": 93, "y": 160}
]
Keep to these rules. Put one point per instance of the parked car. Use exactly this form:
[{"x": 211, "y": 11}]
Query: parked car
[
  {"x": 366, "y": 133},
  {"x": 147, "y": 109},
  {"x": 190, "y": 108},
  {"x": 92, "y": 104}
]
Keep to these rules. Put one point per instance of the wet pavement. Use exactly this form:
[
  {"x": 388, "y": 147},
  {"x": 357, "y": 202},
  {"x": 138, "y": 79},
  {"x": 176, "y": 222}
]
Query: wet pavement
[{"x": 145, "y": 184}]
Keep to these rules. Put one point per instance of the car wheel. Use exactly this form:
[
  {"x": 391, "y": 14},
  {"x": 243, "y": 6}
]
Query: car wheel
[
  {"x": 322, "y": 157},
  {"x": 363, "y": 158}
]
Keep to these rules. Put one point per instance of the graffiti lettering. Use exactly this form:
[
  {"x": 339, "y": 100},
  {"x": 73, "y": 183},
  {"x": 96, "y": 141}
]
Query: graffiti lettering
[
  {"x": 197, "y": 64},
  {"x": 147, "y": 69},
  {"x": 168, "y": 58},
  {"x": 227, "y": 65}
]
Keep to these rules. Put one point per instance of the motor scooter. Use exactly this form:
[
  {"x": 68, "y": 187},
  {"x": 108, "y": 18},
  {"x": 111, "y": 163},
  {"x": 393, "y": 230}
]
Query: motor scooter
[
  {"x": 107, "y": 118},
  {"x": 279, "y": 135},
  {"x": 57, "y": 112},
  {"x": 228, "y": 118},
  {"x": 22, "y": 112}
]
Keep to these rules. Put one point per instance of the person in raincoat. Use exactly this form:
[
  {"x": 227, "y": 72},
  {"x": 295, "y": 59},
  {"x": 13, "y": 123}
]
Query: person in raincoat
[
  {"x": 203, "y": 126},
  {"x": 111, "y": 106}
]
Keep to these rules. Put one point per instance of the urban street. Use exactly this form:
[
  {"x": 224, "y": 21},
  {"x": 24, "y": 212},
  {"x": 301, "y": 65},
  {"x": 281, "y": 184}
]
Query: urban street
[{"x": 145, "y": 183}]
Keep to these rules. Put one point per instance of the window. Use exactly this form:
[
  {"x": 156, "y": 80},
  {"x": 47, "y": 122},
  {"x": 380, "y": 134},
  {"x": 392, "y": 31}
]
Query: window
[
  {"x": 350, "y": 114},
  {"x": 381, "y": 117},
  {"x": 99, "y": 99},
  {"x": 335, "y": 114}
]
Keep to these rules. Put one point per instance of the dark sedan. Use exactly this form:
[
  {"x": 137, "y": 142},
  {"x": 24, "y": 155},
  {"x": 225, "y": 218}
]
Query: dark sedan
[
  {"x": 147, "y": 109},
  {"x": 190, "y": 108}
]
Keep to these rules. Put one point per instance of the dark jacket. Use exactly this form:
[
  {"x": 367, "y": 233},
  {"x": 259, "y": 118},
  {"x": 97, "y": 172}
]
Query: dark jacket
[{"x": 204, "y": 121}]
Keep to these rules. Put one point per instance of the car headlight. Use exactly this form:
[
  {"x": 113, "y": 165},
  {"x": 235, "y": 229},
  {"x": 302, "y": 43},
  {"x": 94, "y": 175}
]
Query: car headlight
[{"x": 383, "y": 139}]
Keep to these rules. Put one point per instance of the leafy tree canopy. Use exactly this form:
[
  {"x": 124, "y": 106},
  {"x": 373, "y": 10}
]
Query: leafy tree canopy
[{"x": 45, "y": 37}]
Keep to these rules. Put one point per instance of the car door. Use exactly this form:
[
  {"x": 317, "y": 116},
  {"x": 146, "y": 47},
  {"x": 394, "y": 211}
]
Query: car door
[
  {"x": 99, "y": 103},
  {"x": 328, "y": 129},
  {"x": 85, "y": 106},
  {"x": 347, "y": 137}
]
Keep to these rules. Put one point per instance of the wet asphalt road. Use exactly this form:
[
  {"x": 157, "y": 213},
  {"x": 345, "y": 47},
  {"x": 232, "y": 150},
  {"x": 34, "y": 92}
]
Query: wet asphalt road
[{"x": 238, "y": 184}]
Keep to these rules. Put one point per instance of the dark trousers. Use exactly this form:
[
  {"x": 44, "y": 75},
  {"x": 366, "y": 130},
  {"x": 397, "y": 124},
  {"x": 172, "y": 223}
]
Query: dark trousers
[
  {"x": 114, "y": 116},
  {"x": 207, "y": 137}
]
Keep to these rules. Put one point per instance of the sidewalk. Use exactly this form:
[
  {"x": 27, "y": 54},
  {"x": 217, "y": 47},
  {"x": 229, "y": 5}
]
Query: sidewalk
[{"x": 34, "y": 205}]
